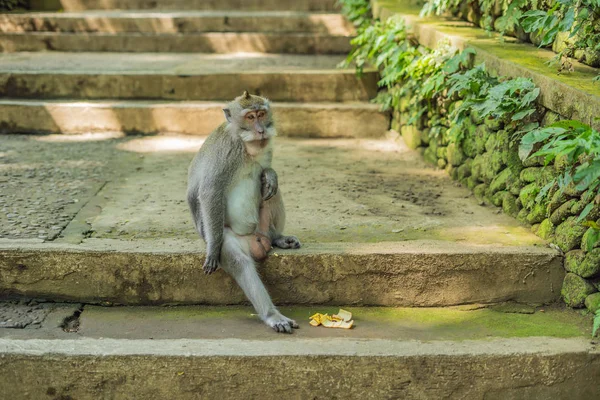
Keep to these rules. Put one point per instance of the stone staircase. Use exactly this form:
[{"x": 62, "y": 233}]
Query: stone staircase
[{"x": 110, "y": 225}]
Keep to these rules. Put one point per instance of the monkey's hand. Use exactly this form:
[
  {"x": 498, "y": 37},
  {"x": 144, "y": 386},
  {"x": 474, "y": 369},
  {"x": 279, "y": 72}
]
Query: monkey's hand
[
  {"x": 269, "y": 183},
  {"x": 210, "y": 264}
]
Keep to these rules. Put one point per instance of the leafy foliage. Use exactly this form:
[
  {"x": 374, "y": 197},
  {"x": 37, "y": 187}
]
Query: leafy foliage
[
  {"x": 357, "y": 11},
  {"x": 575, "y": 17},
  {"x": 578, "y": 145},
  {"x": 577, "y": 20}
]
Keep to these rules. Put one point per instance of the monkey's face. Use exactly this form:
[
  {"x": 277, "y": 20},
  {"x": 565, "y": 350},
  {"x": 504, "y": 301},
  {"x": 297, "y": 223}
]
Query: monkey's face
[{"x": 257, "y": 124}]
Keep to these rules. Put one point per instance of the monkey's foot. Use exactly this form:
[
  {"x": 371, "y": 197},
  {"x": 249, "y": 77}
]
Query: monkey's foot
[
  {"x": 210, "y": 265},
  {"x": 280, "y": 323},
  {"x": 287, "y": 242}
]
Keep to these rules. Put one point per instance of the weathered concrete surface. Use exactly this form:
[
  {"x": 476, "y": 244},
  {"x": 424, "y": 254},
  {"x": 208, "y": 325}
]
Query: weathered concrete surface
[
  {"x": 471, "y": 322},
  {"x": 323, "y": 120},
  {"x": 78, "y": 5},
  {"x": 43, "y": 186},
  {"x": 31, "y": 319},
  {"x": 416, "y": 273},
  {"x": 288, "y": 43},
  {"x": 181, "y": 76},
  {"x": 424, "y": 324},
  {"x": 165, "y": 22},
  {"x": 535, "y": 368},
  {"x": 572, "y": 95}
]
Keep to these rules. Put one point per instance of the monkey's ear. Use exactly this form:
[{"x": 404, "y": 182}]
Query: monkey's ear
[
  {"x": 227, "y": 113},
  {"x": 246, "y": 95}
]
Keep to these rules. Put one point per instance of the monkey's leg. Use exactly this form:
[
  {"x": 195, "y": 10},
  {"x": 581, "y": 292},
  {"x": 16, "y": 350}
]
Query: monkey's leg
[
  {"x": 272, "y": 221},
  {"x": 236, "y": 260}
]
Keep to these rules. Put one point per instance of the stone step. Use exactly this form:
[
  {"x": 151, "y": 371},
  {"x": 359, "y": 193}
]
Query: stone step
[
  {"x": 172, "y": 22},
  {"x": 293, "y": 78},
  {"x": 184, "y": 117},
  {"x": 229, "y": 42},
  {"x": 378, "y": 228},
  {"x": 79, "y": 5},
  {"x": 216, "y": 353},
  {"x": 419, "y": 273}
]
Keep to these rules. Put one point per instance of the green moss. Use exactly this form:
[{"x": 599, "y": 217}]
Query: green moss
[
  {"x": 454, "y": 154},
  {"x": 575, "y": 289},
  {"x": 522, "y": 215},
  {"x": 504, "y": 180},
  {"x": 441, "y": 163},
  {"x": 592, "y": 302},
  {"x": 528, "y": 195},
  {"x": 562, "y": 212},
  {"x": 430, "y": 156},
  {"x": 456, "y": 323},
  {"x": 537, "y": 214},
  {"x": 411, "y": 136},
  {"x": 493, "y": 124},
  {"x": 441, "y": 152},
  {"x": 568, "y": 234},
  {"x": 590, "y": 266},
  {"x": 558, "y": 198},
  {"x": 546, "y": 230},
  {"x": 573, "y": 258},
  {"x": 510, "y": 205},
  {"x": 472, "y": 182},
  {"x": 497, "y": 198},
  {"x": 481, "y": 135},
  {"x": 479, "y": 192},
  {"x": 464, "y": 171},
  {"x": 492, "y": 167}
]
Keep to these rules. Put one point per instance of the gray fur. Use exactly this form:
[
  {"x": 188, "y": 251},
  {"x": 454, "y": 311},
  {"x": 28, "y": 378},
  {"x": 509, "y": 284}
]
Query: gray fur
[{"x": 212, "y": 174}]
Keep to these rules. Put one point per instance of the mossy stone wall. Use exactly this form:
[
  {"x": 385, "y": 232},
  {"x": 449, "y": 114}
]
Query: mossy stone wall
[{"x": 487, "y": 162}]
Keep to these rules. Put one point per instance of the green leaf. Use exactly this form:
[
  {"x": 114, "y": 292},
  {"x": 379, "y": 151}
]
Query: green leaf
[
  {"x": 522, "y": 114},
  {"x": 585, "y": 212},
  {"x": 592, "y": 224},
  {"x": 592, "y": 239}
]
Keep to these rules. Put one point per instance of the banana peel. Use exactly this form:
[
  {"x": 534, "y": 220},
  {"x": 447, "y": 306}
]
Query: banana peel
[{"x": 343, "y": 319}]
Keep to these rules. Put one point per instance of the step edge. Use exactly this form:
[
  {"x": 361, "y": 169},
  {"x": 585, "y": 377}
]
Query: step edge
[
  {"x": 339, "y": 347},
  {"x": 169, "y": 246}
]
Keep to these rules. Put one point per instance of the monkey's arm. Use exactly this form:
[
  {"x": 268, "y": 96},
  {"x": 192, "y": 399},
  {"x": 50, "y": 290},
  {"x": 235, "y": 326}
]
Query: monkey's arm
[{"x": 269, "y": 183}]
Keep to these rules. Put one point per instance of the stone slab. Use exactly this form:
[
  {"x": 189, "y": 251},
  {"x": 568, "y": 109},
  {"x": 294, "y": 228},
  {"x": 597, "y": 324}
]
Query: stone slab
[
  {"x": 171, "y": 22},
  {"x": 361, "y": 120},
  {"x": 572, "y": 95},
  {"x": 220, "y": 43},
  {"x": 78, "y": 5},
  {"x": 296, "y": 78},
  {"x": 83, "y": 368}
]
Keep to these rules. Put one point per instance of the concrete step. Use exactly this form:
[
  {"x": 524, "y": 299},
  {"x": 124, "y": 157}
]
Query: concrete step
[
  {"x": 229, "y": 42},
  {"x": 184, "y": 117},
  {"x": 171, "y": 22},
  {"x": 293, "y": 78},
  {"x": 217, "y": 353},
  {"x": 378, "y": 228},
  {"x": 79, "y": 5}
]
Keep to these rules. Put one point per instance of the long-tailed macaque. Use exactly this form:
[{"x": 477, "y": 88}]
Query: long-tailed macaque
[{"x": 236, "y": 204}]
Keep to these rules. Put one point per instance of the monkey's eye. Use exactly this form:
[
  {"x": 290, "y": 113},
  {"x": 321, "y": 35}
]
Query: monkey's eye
[
  {"x": 250, "y": 117},
  {"x": 261, "y": 114}
]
